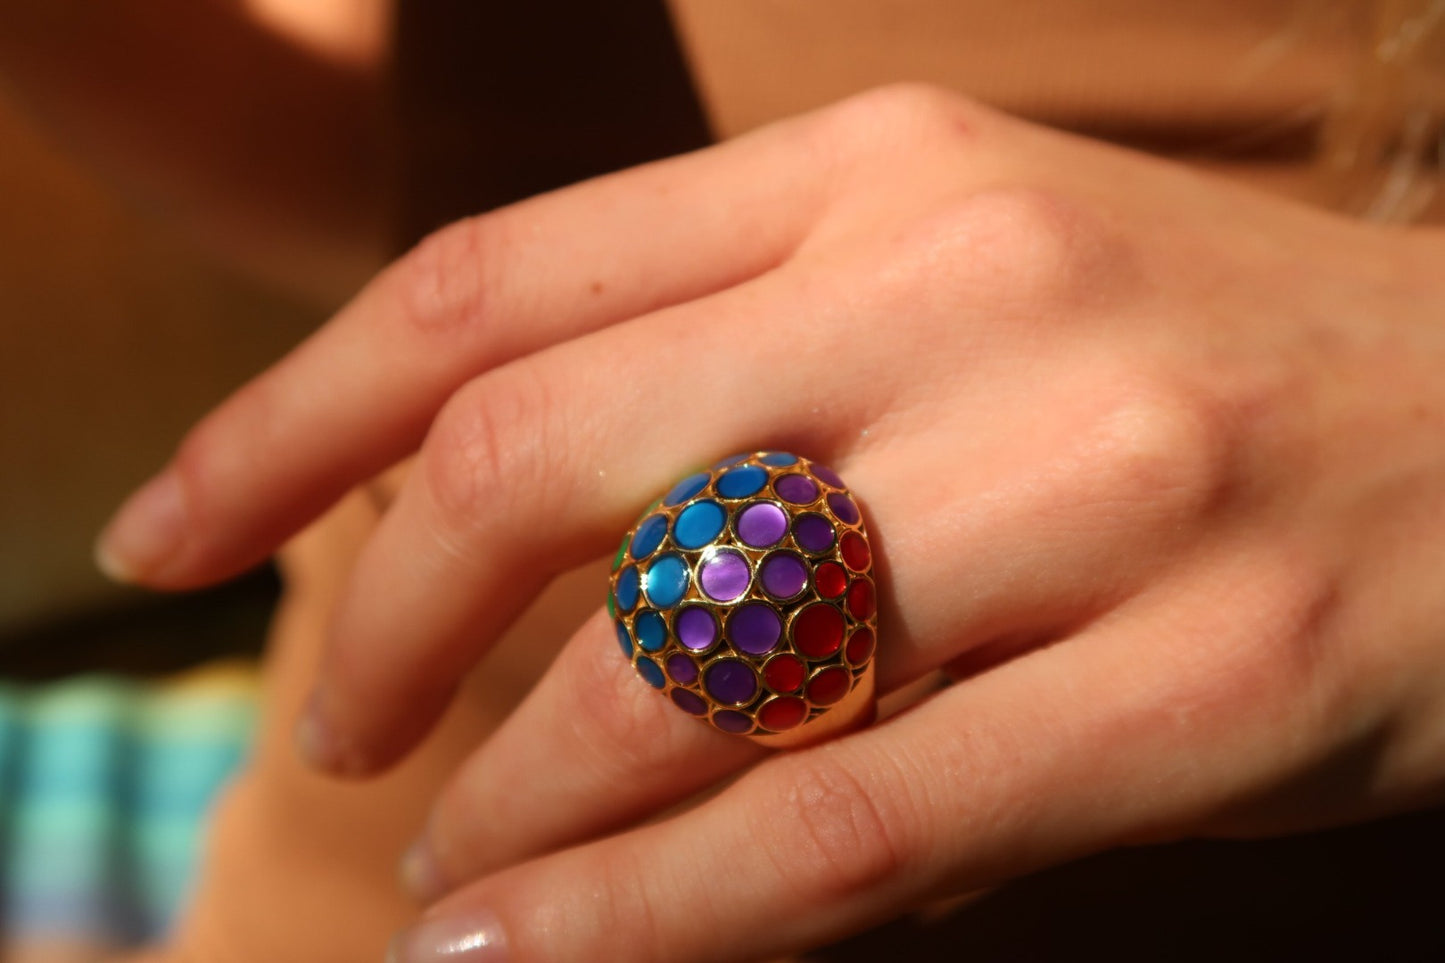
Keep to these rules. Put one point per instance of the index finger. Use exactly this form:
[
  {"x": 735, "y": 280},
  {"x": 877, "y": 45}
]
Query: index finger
[{"x": 359, "y": 394}]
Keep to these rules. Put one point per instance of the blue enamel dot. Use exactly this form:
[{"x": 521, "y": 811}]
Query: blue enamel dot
[
  {"x": 648, "y": 536},
  {"x": 628, "y": 584},
  {"x": 666, "y": 581},
  {"x": 779, "y": 459},
  {"x": 686, "y": 488},
  {"x": 651, "y": 631},
  {"x": 731, "y": 460},
  {"x": 651, "y": 673},
  {"x": 742, "y": 482},
  {"x": 699, "y": 524},
  {"x": 624, "y": 640}
]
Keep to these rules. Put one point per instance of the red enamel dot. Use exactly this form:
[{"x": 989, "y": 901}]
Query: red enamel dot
[
  {"x": 784, "y": 673},
  {"x": 861, "y": 604},
  {"x": 860, "y": 646},
  {"x": 783, "y": 713},
  {"x": 829, "y": 686},
  {"x": 830, "y": 580},
  {"x": 855, "y": 551},
  {"x": 818, "y": 631}
]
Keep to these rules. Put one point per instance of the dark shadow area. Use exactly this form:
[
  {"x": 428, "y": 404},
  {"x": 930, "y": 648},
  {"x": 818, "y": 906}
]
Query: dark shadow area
[
  {"x": 1367, "y": 892},
  {"x": 153, "y": 635}
]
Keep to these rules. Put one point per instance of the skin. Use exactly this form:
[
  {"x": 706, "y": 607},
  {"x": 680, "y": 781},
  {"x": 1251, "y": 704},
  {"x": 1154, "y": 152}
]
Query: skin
[{"x": 1151, "y": 461}]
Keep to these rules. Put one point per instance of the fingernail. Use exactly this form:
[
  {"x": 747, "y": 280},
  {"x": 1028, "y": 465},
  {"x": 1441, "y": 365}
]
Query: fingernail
[
  {"x": 420, "y": 875},
  {"x": 146, "y": 531},
  {"x": 320, "y": 747},
  {"x": 474, "y": 938}
]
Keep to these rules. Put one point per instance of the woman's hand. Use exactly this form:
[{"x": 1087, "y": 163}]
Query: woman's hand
[{"x": 1153, "y": 466}]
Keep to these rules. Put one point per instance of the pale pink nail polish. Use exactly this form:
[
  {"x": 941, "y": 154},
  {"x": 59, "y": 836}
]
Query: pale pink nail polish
[
  {"x": 420, "y": 875},
  {"x": 146, "y": 532},
  {"x": 474, "y": 938},
  {"x": 320, "y": 747}
]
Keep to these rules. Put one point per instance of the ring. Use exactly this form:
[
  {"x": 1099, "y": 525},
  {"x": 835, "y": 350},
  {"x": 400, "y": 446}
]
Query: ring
[{"x": 746, "y": 595}]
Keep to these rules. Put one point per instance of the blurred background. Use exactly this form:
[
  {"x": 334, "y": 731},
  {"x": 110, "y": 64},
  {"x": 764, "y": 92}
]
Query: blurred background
[{"x": 188, "y": 187}]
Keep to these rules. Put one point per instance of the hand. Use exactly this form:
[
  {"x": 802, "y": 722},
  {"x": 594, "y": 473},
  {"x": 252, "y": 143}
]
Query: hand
[{"x": 1152, "y": 463}]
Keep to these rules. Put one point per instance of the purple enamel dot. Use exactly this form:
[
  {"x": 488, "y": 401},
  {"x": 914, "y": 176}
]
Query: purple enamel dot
[
  {"x": 695, "y": 628},
  {"x": 828, "y": 475},
  {"x": 784, "y": 575},
  {"x": 725, "y": 576},
  {"x": 762, "y": 525},
  {"x": 755, "y": 628},
  {"x": 843, "y": 507},
  {"x": 682, "y": 669},
  {"x": 798, "y": 489},
  {"x": 731, "y": 681},
  {"x": 689, "y": 702},
  {"x": 729, "y": 721},
  {"x": 814, "y": 533}
]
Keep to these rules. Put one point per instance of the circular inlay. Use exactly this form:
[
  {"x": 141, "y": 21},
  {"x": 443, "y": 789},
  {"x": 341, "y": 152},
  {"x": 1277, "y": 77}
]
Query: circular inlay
[
  {"x": 651, "y": 631},
  {"x": 827, "y": 474},
  {"x": 729, "y": 720},
  {"x": 730, "y": 681},
  {"x": 666, "y": 581},
  {"x": 778, "y": 459},
  {"x": 681, "y": 669},
  {"x": 860, "y": 646},
  {"x": 699, "y": 524},
  {"x": 829, "y": 685},
  {"x": 628, "y": 585},
  {"x": 686, "y": 489},
  {"x": 814, "y": 533},
  {"x": 830, "y": 580},
  {"x": 689, "y": 702},
  {"x": 725, "y": 575},
  {"x": 782, "y": 713},
  {"x": 696, "y": 628},
  {"x": 755, "y": 628},
  {"x": 785, "y": 673},
  {"x": 762, "y": 525},
  {"x": 742, "y": 482},
  {"x": 861, "y": 603},
  {"x": 818, "y": 631},
  {"x": 650, "y": 672},
  {"x": 624, "y": 640},
  {"x": 648, "y": 536},
  {"x": 855, "y": 551},
  {"x": 784, "y": 575},
  {"x": 843, "y": 508},
  {"x": 797, "y": 489}
]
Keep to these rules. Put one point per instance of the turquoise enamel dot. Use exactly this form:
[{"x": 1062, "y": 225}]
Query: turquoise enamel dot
[
  {"x": 698, "y": 524},
  {"x": 666, "y": 580}
]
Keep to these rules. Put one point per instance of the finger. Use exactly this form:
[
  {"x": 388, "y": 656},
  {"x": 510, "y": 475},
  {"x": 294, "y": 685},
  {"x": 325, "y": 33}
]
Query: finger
[
  {"x": 1128, "y": 732},
  {"x": 589, "y": 750},
  {"x": 359, "y": 394}
]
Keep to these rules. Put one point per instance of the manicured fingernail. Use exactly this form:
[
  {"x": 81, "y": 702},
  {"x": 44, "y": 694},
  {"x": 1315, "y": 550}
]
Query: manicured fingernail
[
  {"x": 420, "y": 875},
  {"x": 474, "y": 938},
  {"x": 320, "y": 747},
  {"x": 146, "y": 531}
]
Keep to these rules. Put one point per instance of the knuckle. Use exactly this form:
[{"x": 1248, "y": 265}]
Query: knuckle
[
  {"x": 1032, "y": 246},
  {"x": 1164, "y": 448},
  {"x": 1018, "y": 253},
  {"x": 487, "y": 454},
  {"x": 883, "y": 120},
  {"x": 446, "y": 282},
  {"x": 831, "y": 834}
]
